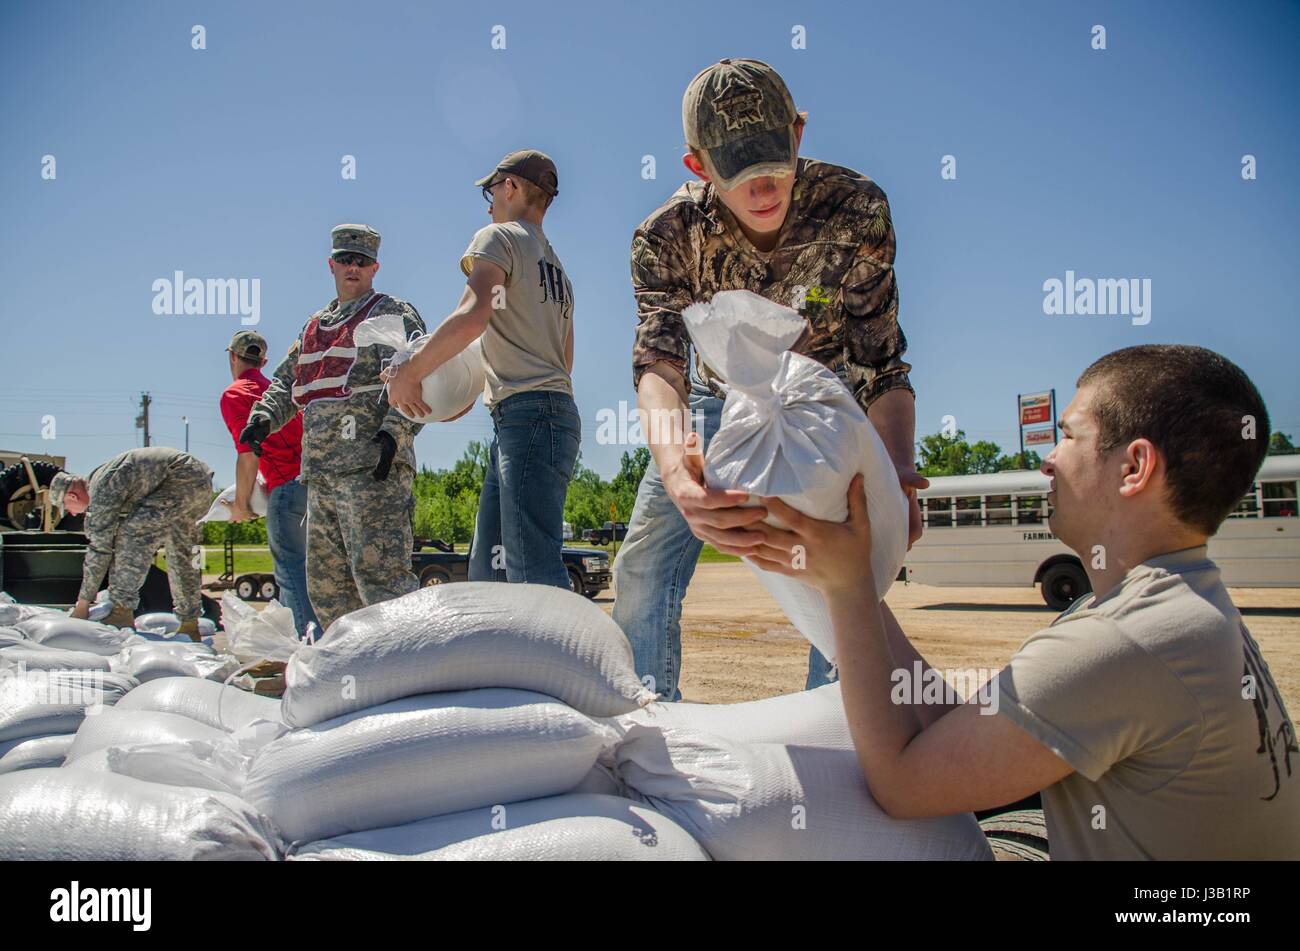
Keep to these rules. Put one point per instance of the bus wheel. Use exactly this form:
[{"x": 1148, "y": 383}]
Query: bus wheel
[{"x": 1064, "y": 584}]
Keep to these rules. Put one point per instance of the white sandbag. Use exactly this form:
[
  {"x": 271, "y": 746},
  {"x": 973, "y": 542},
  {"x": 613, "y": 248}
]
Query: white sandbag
[
  {"x": 11, "y": 612},
  {"x": 128, "y": 728},
  {"x": 41, "y": 702},
  {"x": 569, "y": 828},
  {"x": 422, "y": 756},
  {"x": 149, "y": 660},
  {"x": 102, "y": 607},
  {"x": 466, "y": 636},
  {"x": 32, "y": 656},
  {"x": 218, "y": 765},
  {"x": 450, "y": 389},
  {"x": 253, "y": 636},
  {"x": 204, "y": 701},
  {"x": 767, "y": 801},
  {"x": 165, "y": 624},
  {"x": 12, "y": 637},
  {"x": 808, "y": 718},
  {"x": 220, "y": 510},
  {"x": 84, "y": 815},
  {"x": 790, "y": 428},
  {"x": 70, "y": 633},
  {"x": 34, "y": 752}
]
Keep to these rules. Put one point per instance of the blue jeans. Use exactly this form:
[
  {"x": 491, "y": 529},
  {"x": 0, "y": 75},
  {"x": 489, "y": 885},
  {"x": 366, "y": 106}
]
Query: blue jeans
[
  {"x": 286, "y": 533},
  {"x": 520, "y": 526},
  {"x": 655, "y": 566}
]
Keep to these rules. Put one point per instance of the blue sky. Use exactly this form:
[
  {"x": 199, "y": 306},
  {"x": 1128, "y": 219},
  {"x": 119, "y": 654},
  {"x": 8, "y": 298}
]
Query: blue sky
[{"x": 225, "y": 162}]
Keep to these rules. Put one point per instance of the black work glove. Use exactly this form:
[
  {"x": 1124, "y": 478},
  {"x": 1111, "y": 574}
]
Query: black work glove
[
  {"x": 387, "y": 449},
  {"x": 255, "y": 433}
]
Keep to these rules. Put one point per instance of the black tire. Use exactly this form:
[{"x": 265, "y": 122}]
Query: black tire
[
  {"x": 246, "y": 589},
  {"x": 17, "y": 503},
  {"x": 1063, "y": 584},
  {"x": 575, "y": 583},
  {"x": 268, "y": 589},
  {"x": 433, "y": 576}
]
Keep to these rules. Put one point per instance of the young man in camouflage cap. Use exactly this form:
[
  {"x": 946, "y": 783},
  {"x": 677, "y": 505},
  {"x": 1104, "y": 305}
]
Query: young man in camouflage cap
[
  {"x": 519, "y": 300},
  {"x": 139, "y": 501},
  {"x": 812, "y": 236},
  {"x": 358, "y": 458}
]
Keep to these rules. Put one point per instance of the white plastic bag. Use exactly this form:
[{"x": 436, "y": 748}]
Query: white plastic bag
[
  {"x": 807, "y": 718},
  {"x": 254, "y": 635},
  {"x": 34, "y": 752},
  {"x": 447, "y": 391},
  {"x": 220, "y": 510},
  {"x": 790, "y": 428},
  {"x": 465, "y": 636},
  {"x": 738, "y": 800},
  {"x": 85, "y": 815},
  {"x": 422, "y": 756},
  {"x": 570, "y": 828},
  {"x": 69, "y": 633}
]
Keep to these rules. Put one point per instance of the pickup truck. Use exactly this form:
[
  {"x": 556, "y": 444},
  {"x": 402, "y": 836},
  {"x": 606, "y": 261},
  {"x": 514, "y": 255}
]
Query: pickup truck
[
  {"x": 607, "y": 534},
  {"x": 436, "y": 562}
]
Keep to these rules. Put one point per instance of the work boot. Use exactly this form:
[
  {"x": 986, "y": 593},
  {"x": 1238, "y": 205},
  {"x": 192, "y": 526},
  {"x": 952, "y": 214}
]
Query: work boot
[
  {"x": 190, "y": 626},
  {"x": 120, "y": 617}
]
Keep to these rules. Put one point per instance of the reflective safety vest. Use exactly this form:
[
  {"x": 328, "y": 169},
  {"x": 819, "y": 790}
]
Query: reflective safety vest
[{"x": 326, "y": 359}]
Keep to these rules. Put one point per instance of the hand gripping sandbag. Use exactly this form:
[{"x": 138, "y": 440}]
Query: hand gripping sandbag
[
  {"x": 80, "y": 815},
  {"x": 790, "y": 428},
  {"x": 570, "y": 828},
  {"x": 34, "y": 752},
  {"x": 807, "y": 718},
  {"x": 740, "y": 801},
  {"x": 461, "y": 637},
  {"x": 41, "y": 702},
  {"x": 70, "y": 633},
  {"x": 258, "y": 501},
  {"x": 450, "y": 389},
  {"x": 422, "y": 756},
  {"x": 204, "y": 701}
]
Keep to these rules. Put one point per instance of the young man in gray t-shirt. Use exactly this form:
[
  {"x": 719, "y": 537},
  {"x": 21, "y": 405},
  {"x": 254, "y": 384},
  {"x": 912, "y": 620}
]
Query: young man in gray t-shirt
[
  {"x": 1145, "y": 714},
  {"x": 520, "y": 301}
]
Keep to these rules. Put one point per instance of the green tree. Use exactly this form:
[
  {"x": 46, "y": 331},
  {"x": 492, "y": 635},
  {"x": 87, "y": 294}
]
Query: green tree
[
  {"x": 1279, "y": 444},
  {"x": 943, "y": 454}
]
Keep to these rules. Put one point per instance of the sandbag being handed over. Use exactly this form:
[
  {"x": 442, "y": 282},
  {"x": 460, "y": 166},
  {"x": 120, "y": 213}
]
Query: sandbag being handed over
[
  {"x": 790, "y": 428},
  {"x": 449, "y": 390}
]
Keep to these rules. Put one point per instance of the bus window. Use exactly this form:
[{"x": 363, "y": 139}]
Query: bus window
[
  {"x": 1248, "y": 507},
  {"x": 1279, "y": 499},
  {"x": 968, "y": 510},
  {"x": 1029, "y": 510},
  {"x": 938, "y": 512},
  {"x": 998, "y": 509}
]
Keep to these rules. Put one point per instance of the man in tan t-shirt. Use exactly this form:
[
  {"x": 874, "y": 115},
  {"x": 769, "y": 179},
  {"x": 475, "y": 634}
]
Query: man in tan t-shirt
[
  {"x": 520, "y": 301},
  {"x": 1145, "y": 714}
]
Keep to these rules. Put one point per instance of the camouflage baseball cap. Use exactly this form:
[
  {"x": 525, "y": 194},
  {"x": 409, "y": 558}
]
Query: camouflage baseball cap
[
  {"x": 248, "y": 345},
  {"x": 739, "y": 114},
  {"x": 355, "y": 239},
  {"x": 59, "y": 487},
  {"x": 530, "y": 165}
]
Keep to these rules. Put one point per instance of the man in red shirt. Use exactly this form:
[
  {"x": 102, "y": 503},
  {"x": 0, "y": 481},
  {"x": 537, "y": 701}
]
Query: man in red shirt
[{"x": 286, "y": 510}]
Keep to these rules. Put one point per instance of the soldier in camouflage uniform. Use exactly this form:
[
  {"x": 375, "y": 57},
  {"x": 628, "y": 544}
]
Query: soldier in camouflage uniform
[
  {"x": 809, "y": 235},
  {"x": 358, "y": 457},
  {"x": 135, "y": 503}
]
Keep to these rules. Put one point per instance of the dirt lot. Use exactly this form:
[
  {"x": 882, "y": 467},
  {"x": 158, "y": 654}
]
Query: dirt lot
[{"x": 737, "y": 645}]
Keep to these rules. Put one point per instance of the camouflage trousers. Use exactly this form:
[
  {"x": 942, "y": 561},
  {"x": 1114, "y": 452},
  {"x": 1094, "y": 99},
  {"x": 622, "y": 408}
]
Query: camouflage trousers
[
  {"x": 359, "y": 541},
  {"x": 166, "y": 518}
]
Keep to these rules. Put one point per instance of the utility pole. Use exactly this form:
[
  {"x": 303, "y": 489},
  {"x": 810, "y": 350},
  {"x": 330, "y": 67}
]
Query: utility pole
[
  {"x": 142, "y": 421},
  {"x": 186, "y": 421}
]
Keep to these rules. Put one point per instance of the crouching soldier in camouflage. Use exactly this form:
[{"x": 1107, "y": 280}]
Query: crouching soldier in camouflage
[
  {"x": 135, "y": 503},
  {"x": 358, "y": 458}
]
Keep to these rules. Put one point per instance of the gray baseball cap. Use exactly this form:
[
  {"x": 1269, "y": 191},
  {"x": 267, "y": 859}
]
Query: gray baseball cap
[
  {"x": 740, "y": 114},
  {"x": 354, "y": 239},
  {"x": 530, "y": 165}
]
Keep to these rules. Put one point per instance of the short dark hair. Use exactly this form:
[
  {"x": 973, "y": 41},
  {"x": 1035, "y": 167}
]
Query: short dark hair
[{"x": 1198, "y": 408}]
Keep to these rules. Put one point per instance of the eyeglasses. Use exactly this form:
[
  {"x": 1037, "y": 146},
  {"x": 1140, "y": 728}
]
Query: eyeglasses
[
  {"x": 348, "y": 260},
  {"x": 487, "y": 189}
]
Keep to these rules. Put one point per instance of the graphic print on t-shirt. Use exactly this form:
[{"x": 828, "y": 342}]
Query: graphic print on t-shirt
[
  {"x": 554, "y": 285},
  {"x": 1256, "y": 674}
]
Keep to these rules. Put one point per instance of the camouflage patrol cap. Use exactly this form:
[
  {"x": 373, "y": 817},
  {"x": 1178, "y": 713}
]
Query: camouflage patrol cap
[
  {"x": 355, "y": 239},
  {"x": 739, "y": 114},
  {"x": 59, "y": 487},
  {"x": 248, "y": 345},
  {"x": 530, "y": 165}
]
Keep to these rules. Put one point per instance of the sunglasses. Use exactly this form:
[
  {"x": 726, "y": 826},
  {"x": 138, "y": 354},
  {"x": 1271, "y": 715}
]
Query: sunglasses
[
  {"x": 487, "y": 189},
  {"x": 348, "y": 260}
]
